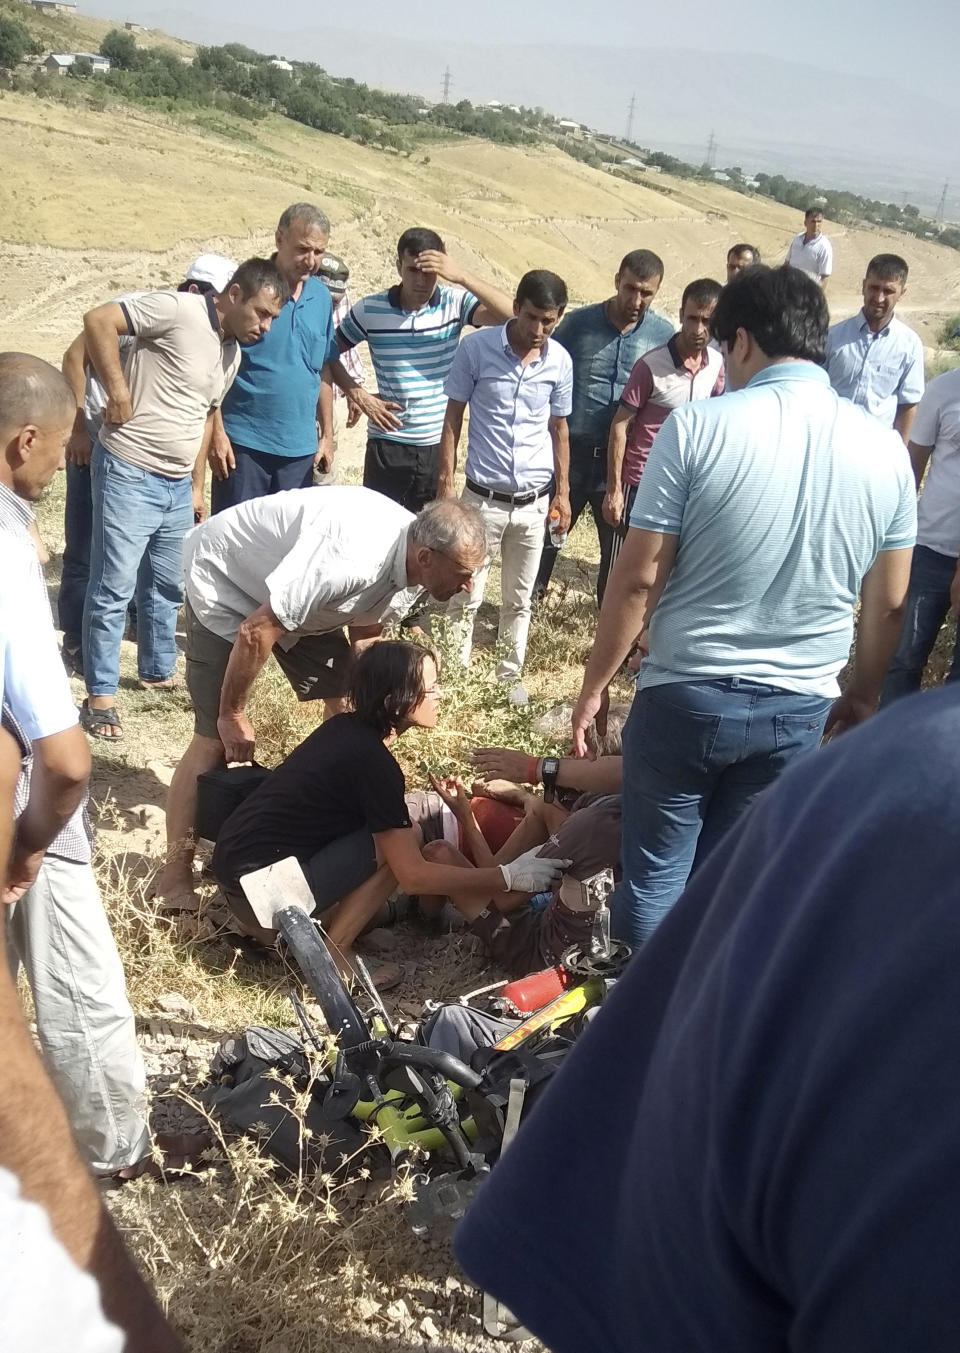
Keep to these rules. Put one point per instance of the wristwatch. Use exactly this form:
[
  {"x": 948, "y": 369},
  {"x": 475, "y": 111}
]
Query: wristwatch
[{"x": 549, "y": 770}]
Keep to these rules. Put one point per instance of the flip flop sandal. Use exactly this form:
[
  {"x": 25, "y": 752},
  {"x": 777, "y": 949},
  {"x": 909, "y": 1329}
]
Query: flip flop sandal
[{"x": 92, "y": 721}]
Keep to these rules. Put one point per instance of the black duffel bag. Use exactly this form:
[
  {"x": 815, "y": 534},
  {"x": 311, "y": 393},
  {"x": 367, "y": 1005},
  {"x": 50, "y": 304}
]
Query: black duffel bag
[{"x": 222, "y": 790}]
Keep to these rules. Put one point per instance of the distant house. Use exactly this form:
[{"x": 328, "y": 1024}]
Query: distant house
[
  {"x": 279, "y": 64},
  {"x": 566, "y": 125},
  {"x": 720, "y": 176},
  {"x": 58, "y": 63},
  {"x": 494, "y": 105},
  {"x": 54, "y": 6},
  {"x": 134, "y": 27},
  {"x": 632, "y": 162},
  {"x": 751, "y": 185}
]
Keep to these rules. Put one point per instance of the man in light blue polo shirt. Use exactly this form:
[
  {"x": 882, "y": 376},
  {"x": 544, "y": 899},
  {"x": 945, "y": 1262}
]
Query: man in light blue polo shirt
[
  {"x": 518, "y": 383},
  {"x": 759, "y": 519},
  {"x": 266, "y": 438},
  {"x": 873, "y": 358},
  {"x": 605, "y": 341},
  {"x": 412, "y": 331}
]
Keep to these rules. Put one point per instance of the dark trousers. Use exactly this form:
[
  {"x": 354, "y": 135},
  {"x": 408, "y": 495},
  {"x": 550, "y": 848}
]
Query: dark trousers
[
  {"x": 588, "y": 483},
  {"x": 77, "y": 522},
  {"x": 257, "y": 474},
  {"x": 402, "y": 471},
  {"x": 928, "y": 602}
]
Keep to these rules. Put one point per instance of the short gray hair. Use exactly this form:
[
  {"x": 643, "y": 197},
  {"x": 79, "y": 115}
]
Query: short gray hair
[
  {"x": 31, "y": 391},
  {"x": 450, "y": 526},
  {"x": 311, "y": 216}
]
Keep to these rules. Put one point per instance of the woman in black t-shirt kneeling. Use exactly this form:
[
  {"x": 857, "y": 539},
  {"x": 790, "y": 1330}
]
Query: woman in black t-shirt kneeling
[{"x": 337, "y": 804}]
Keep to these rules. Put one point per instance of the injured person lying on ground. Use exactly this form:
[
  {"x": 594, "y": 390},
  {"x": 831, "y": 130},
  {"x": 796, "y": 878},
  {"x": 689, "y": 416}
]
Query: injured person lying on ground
[{"x": 337, "y": 804}]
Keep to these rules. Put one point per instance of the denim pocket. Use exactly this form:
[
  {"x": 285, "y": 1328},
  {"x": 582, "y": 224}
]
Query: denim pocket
[
  {"x": 121, "y": 471},
  {"x": 793, "y": 731},
  {"x": 676, "y": 741}
]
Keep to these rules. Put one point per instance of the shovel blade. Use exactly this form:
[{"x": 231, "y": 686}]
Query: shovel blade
[{"x": 276, "y": 887}]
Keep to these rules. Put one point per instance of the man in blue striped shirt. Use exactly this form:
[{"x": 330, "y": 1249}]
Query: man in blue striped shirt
[{"x": 412, "y": 331}]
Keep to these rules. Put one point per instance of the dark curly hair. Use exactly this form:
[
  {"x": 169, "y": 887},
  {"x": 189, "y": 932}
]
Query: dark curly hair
[{"x": 387, "y": 684}]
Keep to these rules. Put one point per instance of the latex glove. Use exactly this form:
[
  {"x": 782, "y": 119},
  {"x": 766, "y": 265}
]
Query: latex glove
[{"x": 532, "y": 873}]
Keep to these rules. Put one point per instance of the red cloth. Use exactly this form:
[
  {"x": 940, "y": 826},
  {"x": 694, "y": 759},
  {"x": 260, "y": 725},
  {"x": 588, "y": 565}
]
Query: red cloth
[{"x": 497, "y": 821}]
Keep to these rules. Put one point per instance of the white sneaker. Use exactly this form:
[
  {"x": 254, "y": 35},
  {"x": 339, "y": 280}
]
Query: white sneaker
[{"x": 518, "y": 696}]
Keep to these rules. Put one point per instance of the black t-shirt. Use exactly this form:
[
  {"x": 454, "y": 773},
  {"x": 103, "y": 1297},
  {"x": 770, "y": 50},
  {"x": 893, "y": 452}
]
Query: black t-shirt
[
  {"x": 755, "y": 1147},
  {"x": 339, "y": 779}
]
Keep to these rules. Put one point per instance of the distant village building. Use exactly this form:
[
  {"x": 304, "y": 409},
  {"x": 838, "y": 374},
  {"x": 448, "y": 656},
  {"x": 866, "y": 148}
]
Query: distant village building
[
  {"x": 720, "y": 176},
  {"x": 568, "y": 126},
  {"x": 54, "y": 6},
  {"x": 279, "y": 64},
  {"x": 632, "y": 162},
  {"x": 58, "y": 63},
  {"x": 134, "y": 27}
]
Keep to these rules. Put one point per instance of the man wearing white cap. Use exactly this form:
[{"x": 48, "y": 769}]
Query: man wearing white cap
[
  {"x": 157, "y": 423},
  {"x": 207, "y": 272}
]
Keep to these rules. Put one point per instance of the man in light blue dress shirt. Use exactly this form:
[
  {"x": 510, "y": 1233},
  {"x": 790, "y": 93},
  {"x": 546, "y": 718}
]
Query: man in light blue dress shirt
[
  {"x": 519, "y": 385},
  {"x": 873, "y": 358}
]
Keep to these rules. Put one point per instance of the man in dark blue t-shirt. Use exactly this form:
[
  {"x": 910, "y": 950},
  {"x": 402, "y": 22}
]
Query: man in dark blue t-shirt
[{"x": 756, "y": 1145}]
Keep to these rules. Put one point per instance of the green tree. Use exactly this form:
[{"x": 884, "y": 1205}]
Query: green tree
[
  {"x": 15, "y": 43},
  {"x": 120, "y": 49}
]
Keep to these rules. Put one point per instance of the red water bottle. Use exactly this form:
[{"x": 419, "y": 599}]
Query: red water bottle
[{"x": 530, "y": 993}]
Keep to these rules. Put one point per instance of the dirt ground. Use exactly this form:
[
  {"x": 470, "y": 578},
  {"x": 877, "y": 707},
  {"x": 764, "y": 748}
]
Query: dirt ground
[{"x": 101, "y": 203}]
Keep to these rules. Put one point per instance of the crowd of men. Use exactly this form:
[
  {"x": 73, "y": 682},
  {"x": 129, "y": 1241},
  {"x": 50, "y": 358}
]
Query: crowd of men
[{"x": 752, "y": 474}]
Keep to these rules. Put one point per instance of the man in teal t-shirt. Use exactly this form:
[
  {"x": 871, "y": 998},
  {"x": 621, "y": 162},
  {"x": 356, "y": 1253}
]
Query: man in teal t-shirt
[{"x": 604, "y": 341}]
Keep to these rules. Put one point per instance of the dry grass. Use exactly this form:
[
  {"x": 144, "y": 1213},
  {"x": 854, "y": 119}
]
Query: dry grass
[{"x": 242, "y": 1259}]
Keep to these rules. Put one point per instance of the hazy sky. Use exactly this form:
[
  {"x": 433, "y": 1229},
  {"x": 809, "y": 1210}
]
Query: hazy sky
[{"x": 913, "y": 44}]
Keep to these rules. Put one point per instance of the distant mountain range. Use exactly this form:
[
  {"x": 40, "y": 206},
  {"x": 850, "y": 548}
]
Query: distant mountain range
[{"x": 780, "y": 116}]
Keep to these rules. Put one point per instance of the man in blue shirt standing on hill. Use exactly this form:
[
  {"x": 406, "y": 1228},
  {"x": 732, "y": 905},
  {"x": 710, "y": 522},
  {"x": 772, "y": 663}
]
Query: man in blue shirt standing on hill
[
  {"x": 265, "y": 439},
  {"x": 759, "y": 519},
  {"x": 874, "y": 358},
  {"x": 604, "y": 341}
]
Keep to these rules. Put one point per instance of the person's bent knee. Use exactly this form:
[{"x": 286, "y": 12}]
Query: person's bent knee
[{"x": 440, "y": 852}]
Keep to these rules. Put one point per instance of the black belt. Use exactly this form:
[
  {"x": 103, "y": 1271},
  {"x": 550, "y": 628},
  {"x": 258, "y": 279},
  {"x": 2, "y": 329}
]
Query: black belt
[{"x": 514, "y": 499}]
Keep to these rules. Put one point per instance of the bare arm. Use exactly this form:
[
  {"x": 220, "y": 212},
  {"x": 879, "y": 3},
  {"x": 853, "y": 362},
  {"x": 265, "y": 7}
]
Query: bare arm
[
  {"x": 560, "y": 502},
  {"x": 379, "y": 411},
  {"x": 415, "y": 875},
  {"x": 252, "y": 646},
  {"x": 198, "y": 478},
  {"x": 73, "y": 367},
  {"x": 638, "y": 578},
  {"x": 495, "y": 305},
  {"x": 616, "y": 447},
  {"x": 602, "y": 776},
  {"x": 220, "y": 448},
  {"x": 883, "y": 602},
  {"x": 323, "y": 460},
  {"x": 102, "y": 328},
  {"x": 449, "y": 441},
  {"x": 904, "y": 421},
  {"x": 61, "y": 769},
  {"x": 919, "y": 456}
]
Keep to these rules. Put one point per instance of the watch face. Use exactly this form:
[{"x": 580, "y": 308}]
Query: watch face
[{"x": 550, "y": 765}]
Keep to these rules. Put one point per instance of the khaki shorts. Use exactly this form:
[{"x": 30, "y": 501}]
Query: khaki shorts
[{"x": 317, "y": 667}]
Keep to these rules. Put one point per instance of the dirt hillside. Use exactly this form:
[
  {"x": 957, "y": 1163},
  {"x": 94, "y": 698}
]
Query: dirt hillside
[{"x": 107, "y": 201}]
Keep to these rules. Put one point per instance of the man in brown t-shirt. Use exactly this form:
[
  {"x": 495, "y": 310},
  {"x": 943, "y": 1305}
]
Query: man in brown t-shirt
[{"x": 156, "y": 426}]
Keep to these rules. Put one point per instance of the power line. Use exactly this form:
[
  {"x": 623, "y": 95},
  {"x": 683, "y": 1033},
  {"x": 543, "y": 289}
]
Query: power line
[
  {"x": 711, "y": 151},
  {"x": 630, "y": 112},
  {"x": 447, "y": 79},
  {"x": 941, "y": 208}
]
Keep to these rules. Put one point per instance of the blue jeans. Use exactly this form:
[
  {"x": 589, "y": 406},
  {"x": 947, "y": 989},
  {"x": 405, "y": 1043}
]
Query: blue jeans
[
  {"x": 928, "y": 601},
  {"x": 139, "y": 522},
  {"x": 695, "y": 755},
  {"x": 257, "y": 474},
  {"x": 77, "y": 514}
]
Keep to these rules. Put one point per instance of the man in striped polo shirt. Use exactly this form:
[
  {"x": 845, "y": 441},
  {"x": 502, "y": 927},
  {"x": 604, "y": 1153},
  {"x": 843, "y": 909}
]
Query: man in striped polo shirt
[
  {"x": 412, "y": 331},
  {"x": 663, "y": 379}
]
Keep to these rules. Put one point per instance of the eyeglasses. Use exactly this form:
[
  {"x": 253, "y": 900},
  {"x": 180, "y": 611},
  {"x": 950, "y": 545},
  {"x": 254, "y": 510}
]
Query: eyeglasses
[{"x": 435, "y": 689}]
